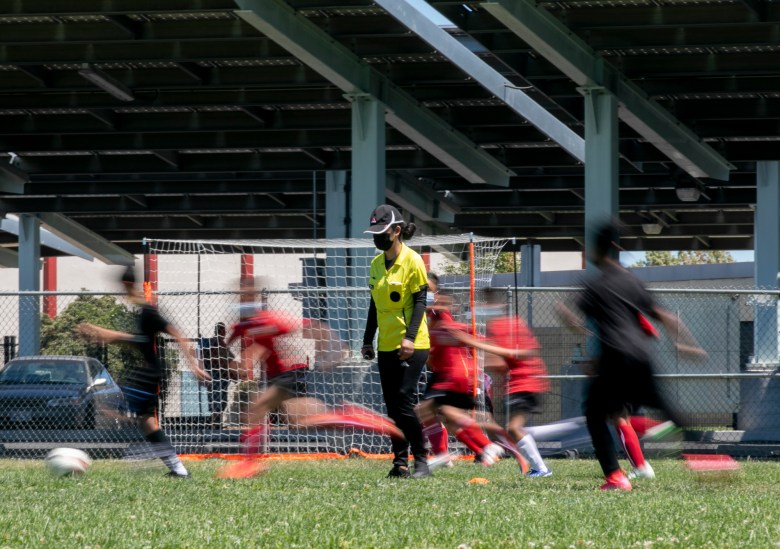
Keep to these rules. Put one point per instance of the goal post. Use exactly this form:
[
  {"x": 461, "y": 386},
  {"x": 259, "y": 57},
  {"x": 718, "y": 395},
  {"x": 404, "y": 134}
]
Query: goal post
[{"x": 322, "y": 282}]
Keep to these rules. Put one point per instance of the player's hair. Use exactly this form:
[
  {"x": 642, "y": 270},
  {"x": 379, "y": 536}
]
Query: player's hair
[
  {"x": 408, "y": 230},
  {"x": 219, "y": 327},
  {"x": 607, "y": 238},
  {"x": 433, "y": 276},
  {"x": 128, "y": 276}
]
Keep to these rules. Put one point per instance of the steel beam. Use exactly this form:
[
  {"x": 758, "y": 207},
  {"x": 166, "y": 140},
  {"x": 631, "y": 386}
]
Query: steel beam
[
  {"x": 577, "y": 60},
  {"x": 8, "y": 258},
  {"x": 11, "y": 225},
  {"x": 86, "y": 240},
  {"x": 485, "y": 75},
  {"x": 280, "y": 22},
  {"x": 421, "y": 201}
]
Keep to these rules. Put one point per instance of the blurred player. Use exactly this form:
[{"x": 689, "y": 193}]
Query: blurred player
[
  {"x": 142, "y": 382},
  {"x": 450, "y": 393},
  {"x": 286, "y": 387},
  {"x": 509, "y": 338},
  {"x": 615, "y": 302}
]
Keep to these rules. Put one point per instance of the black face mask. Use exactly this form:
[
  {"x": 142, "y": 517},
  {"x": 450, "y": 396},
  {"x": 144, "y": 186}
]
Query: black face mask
[{"x": 383, "y": 241}]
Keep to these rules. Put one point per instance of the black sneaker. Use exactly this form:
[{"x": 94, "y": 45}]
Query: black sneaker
[
  {"x": 421, "y": 470},
  {"x": 399, "y": 471},
  {"x": 174, "y": 474}
]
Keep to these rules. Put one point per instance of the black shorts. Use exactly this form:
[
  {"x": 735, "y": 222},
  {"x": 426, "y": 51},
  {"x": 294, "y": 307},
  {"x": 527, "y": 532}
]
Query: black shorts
[
  {"x": 140, "y": 400},
  {"x": 464, "y": 401},
  {"x": 523, "y": 403},
  {"x": 294, "y": 382}
]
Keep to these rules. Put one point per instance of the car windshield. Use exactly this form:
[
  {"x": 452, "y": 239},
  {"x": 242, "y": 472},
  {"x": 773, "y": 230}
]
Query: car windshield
[{"x": 33, "y": 372}]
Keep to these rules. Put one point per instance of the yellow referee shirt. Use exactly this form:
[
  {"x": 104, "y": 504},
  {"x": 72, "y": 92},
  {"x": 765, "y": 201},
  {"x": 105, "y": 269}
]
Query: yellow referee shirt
[{"x": 392, "y": 292}]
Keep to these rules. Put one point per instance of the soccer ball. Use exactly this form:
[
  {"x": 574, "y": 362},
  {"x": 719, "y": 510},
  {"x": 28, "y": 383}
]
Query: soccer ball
[{"x": 67, "y": 461}]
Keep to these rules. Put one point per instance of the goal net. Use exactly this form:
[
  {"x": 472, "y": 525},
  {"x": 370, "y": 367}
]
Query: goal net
[{"x": 320, "y": 285}]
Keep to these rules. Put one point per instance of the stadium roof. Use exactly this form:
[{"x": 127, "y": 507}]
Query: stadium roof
[{"x": 179, "y": 119}]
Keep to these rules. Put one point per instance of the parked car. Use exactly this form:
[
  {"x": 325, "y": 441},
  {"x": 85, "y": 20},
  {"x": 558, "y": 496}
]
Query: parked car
[{"x": 59, "y": 392}]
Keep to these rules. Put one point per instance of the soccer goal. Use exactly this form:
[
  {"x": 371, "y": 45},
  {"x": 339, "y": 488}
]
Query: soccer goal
[{"x": 320, "y": 283}]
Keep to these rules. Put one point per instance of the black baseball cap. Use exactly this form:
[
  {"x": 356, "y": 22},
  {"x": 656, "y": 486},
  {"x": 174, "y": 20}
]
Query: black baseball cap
[{"x": 382, "y": 218}]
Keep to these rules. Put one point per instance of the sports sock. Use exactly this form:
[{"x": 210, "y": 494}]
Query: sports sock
[
  {"x": 253, "y": 440},
  {"x": 630, "y": 443},
  {"x": 505, "y": 441},
  {"x": 437, "y": 435},
  {"x": 473, "y": 437},
  {"x": 164, "y": 449},
  {"x": 527, "y": 447}
]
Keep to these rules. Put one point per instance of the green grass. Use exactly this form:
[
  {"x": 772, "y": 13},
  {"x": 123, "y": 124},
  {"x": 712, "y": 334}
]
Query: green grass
[{"x": 351, "y": 504}]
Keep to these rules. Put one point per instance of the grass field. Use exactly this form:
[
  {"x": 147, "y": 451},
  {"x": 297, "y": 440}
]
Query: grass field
[{"x": 350, "y": 503}]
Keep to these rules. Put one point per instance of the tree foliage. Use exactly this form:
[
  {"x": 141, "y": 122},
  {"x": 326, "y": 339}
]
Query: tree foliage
[
  {"x": 57, "y": 337},
  {"x": 688, "y": 257},
  {"x": 505, "y": 263}
]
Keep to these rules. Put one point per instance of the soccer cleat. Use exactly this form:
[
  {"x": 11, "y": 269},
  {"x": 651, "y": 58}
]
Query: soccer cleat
[
  {"x": 246, "y": 468},
  {"x": 440, "y": 460},
  {"x": 661, "y": 430},
  {"x": 421, "y": 470},
  {"x": 645, "y": 471},
  {"x": 533, "y": 473},
  {"x": 174, "y": 474},
  {"x": 617, "y": 481},
  {"x": 491, "y": 454},
  {"x": 399, "y": 472}
]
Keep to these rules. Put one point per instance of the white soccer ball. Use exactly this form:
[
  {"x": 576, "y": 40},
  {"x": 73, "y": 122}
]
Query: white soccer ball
[{"x": 67, "y": 461}]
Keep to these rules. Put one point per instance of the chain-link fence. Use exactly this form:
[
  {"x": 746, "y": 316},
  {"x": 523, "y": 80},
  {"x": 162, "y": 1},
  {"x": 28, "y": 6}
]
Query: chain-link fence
[{"x": 728, "y": 399}]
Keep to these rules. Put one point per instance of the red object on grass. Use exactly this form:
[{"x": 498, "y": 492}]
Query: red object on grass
[{"x": 710, "y": 462}]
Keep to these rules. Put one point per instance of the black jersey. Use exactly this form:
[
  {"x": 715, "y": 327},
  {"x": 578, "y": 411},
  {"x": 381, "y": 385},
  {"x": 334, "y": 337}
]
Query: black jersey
[{"x": 150, "y": 323}]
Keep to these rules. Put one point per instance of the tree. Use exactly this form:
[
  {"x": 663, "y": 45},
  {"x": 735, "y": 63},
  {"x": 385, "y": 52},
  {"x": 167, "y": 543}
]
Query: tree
[
  {"x": 57, "y": 336},
  {"x": 688, "y": 257},
  {"x": 505, "y": 263}
]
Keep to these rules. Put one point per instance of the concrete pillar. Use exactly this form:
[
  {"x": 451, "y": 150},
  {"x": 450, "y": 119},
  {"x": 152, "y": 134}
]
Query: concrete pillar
[
  {"x": 601, "y": 161},
  {"x": 367, "y": 188},
  {"x": 29, "y": 280},
  {"x": 767, "y": 261},
  {"x": 760, "y": 397},
  {"x": 366, "y": 191}
]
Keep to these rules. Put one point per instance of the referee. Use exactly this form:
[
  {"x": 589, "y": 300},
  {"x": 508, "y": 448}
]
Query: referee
[{"x": 398, "y": 282}]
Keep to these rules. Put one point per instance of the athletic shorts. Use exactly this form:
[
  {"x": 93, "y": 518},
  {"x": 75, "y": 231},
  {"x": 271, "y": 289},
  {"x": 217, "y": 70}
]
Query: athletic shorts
[
  {"x": 141, "y": 401},
  {"x": 294, "y": 382},
  {"x": 464, "y": 401},
  {"x": 523, "y": 403}
]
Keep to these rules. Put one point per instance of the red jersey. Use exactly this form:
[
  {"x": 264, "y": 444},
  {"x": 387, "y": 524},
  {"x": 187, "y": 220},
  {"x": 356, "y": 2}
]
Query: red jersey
[
  {"x": 523, "y": 375},
  {"x": 264, "y": 328},
  {"x": 449, "y": 359}
]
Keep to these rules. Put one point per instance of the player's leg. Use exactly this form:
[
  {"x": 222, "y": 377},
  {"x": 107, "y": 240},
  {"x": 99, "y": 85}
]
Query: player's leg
[
  {"x": 161, "y": 446},
  {"x": 598, "y": 409},
  {"x": 640, "y": 468},
  {"x": 520, "y": 405},
  {"x": 435, "y": 432},
  {"x": 253, "y": 438},
  {"x": 470, "y": 434},
  {"x": 390, "y": 377}
]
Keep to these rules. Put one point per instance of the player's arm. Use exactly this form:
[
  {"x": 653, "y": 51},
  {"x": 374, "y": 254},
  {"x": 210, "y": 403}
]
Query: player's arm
[
  {"x": 570, "y": 319},
  {"x": 368, "y": 335},
  {"x": 679, "y": 333},
  {"x": 191, "y": 358},
  {"x": 418, "y": 311},
  {"x": 104, "y": 335},
  {"x": 504, "y": 352}
]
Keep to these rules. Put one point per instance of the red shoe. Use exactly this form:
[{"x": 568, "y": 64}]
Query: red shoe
[{"x": 617, "y": 481}]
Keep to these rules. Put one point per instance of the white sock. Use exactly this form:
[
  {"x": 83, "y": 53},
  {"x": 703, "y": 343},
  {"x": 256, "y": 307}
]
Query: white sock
[
  {"x": 527, "y": 447},
  {"x": 174, "y": 464}
]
